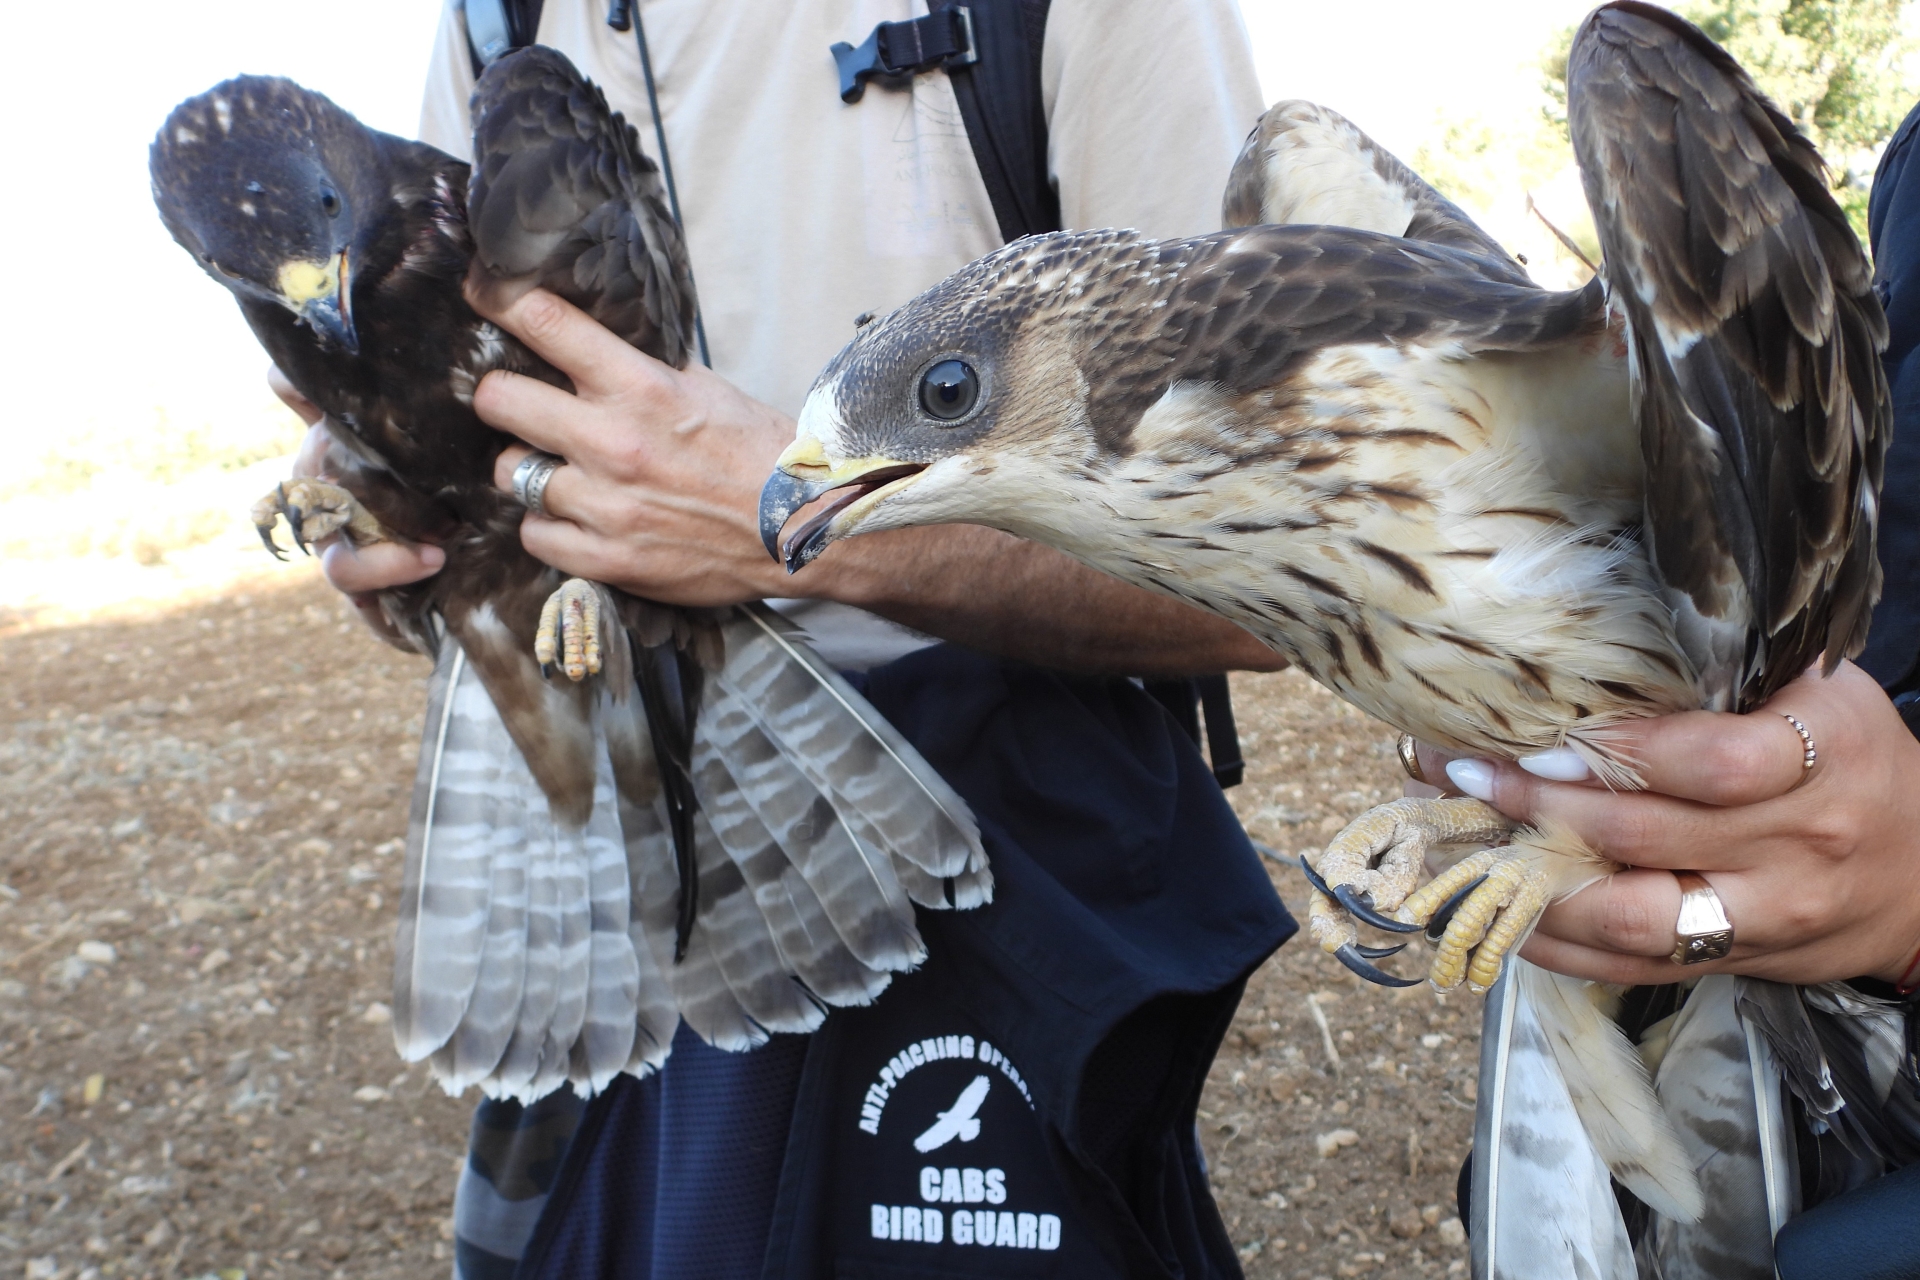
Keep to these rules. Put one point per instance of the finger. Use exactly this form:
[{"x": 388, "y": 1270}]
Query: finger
[
  {"x": 1637, "y": 828},
  {"x": 567, "y": 338},
  {"x": 1595, "y": 965},
  {"x": 572, "y": 550},
  {"x": 542, "y": 415},
  {"x": 1633, "y": 913},
  {"x": 378, "y": 565},
  {"x": 310, "y": 463},
  {"x": 1714, "y": 757}
]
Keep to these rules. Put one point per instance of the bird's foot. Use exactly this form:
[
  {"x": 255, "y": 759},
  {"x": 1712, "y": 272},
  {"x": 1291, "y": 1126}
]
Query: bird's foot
[
  {"x": 1477, "y": 911},
  {"x": 313, "y": 509},
  {"x": 570, "y": 625},
  {"x": 1369, "y": 872}
]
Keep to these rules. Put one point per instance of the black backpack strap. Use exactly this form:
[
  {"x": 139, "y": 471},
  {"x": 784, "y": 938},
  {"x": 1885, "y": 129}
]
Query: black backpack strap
[
  {"x": 1006, "y": 118},
  {"x": 497, "y": 27},
  {"x": 1187, "y": 701}
]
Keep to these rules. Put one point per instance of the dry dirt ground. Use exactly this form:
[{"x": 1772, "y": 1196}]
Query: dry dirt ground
[{"x": 200, "y": 818}]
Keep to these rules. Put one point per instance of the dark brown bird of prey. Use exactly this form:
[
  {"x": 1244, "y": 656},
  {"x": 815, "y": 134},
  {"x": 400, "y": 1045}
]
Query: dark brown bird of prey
[
  {"x": 1503, "y": 519},
  {"x": 701, "y": 820}
]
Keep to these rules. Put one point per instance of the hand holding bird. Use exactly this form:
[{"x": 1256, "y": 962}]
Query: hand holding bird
[{"x": 1820, "y": 869}]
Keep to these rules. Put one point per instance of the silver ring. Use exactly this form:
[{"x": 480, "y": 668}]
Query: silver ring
[
  {"x": 530, "y": 479},
  {"x": 1703, "y": 931},
  {"x": 1809, "y": 754}
]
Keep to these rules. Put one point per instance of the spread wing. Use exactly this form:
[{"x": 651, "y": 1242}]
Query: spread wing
[
  {"x": 563, "y": 198},
  {"x": 1762, "y": 406},
  {"x": 1305, "y": 163},
  {"x": 532, "y": 952},
  {"x": 757, "y": 836}
]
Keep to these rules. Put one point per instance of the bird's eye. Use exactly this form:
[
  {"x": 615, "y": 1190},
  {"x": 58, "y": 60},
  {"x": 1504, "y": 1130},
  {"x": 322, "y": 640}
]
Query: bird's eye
[
  {"x": 949, "y": 389},
  {"x": 330, "y": 202}
]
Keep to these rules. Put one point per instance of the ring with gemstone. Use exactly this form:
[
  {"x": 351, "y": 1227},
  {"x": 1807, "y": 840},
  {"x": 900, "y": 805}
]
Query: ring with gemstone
[{"x": 1703, "y": 931}]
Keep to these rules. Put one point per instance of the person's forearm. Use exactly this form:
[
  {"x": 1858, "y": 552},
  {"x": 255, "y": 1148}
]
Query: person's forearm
[{"x": 999, "y": 594}]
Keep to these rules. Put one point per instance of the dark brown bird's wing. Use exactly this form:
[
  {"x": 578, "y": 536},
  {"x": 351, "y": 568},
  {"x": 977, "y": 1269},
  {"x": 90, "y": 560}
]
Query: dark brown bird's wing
[
  {"x": 563, "y": 198},
  {"x": 1307, "y": 163},
  {"x": 1763, "y": 410}
]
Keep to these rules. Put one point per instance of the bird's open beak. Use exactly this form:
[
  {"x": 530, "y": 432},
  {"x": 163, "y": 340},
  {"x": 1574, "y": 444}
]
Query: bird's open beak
[
  {"x": 320, "y": 294},
  {"x": 803, "y": 473}
]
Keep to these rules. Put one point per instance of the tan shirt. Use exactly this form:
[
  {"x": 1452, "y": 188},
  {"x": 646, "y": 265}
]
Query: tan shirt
[{"x": 803, "y": 211}]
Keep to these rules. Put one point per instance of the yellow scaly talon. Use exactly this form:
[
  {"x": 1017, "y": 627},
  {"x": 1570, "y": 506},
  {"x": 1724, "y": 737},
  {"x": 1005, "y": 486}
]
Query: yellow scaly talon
[{"x": 569, "y": 632}]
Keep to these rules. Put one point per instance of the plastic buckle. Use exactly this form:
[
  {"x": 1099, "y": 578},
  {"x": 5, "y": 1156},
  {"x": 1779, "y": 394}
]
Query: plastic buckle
[{"x": 894, "y": 52}]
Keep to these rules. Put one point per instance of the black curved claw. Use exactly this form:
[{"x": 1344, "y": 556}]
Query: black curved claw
[
  {"x": 266, "y": 536},
  {"x": 1313, "y": 877},
  {"x": 1360, "y": 903},
  {"x": 1350, "y": 956},
  {"x": 295, "y": 519},
  {"x": 1380, "y": 953},
  {"x": 1437, "y": 924}
]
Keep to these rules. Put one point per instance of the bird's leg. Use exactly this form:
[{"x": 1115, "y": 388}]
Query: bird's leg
[
  {"x": 1372, "y": 866},
  {"x": 313, "y": 510},
  {"x": 570, "y": 624}
]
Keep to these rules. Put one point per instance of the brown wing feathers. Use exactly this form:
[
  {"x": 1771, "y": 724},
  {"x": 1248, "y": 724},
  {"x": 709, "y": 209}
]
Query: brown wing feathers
[
  {"x": 562, "y": 197},
  {"x": 1753, "y": 316}
]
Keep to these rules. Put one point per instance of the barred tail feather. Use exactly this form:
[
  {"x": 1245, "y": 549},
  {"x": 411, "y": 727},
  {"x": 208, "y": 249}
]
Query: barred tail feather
[
  {"x": 613, "y": 984},
  {"x": 438, "y": 941},
  {"x": 652, "y": 884},
  {"x": 521, "y": 1061},
  {"x": 1610, "y": 1090},
  {"x": 533, "y": 952},
  {"x": 1706, "y": 1084},
  {"x": 1542, "y": 1202}
]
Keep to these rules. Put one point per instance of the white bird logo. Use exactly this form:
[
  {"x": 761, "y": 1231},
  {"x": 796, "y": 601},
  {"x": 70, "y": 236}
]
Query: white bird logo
[{"x": 958, "y": 1120}]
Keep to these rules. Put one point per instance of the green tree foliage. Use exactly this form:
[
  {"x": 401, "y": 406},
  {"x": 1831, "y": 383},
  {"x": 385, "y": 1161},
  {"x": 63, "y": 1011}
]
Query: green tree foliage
[{"x": 1839, "y": 69}]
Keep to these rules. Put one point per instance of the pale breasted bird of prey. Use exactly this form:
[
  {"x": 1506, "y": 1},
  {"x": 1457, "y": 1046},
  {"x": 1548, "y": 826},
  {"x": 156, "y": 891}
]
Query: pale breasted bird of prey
[
  {"x": 1501, "y": 518},
  {"x": 702, "y": 820}
]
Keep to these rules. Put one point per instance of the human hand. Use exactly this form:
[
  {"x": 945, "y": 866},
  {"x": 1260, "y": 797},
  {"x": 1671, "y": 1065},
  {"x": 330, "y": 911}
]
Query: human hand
[
  {"x": 661, "y": 497},
  {"x": 358, "y": 573},
  {"x": 1818, "y": 870},
  {"x": 660, "y": 494}
]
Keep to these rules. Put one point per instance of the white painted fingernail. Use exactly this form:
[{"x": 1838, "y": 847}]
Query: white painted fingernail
[
  {"x": 1562, "y": 764},
  {"x": 1474, "y": 777}
]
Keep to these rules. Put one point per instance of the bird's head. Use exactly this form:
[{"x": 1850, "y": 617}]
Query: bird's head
[
  {"x": 969, "y": 403},
  {"x": 261, "y": 181}
]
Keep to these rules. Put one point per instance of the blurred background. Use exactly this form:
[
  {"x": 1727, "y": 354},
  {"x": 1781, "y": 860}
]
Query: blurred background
[{"x": 137, "y": 426}]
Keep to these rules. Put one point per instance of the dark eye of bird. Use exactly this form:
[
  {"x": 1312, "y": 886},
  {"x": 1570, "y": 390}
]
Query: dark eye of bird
[
  {"x": 330, "y": 202},
  {"x": 949, "y": 390}
]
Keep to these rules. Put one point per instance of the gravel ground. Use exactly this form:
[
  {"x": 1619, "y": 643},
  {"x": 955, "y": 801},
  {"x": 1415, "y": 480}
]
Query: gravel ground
[{"x": 202, "y": 809}]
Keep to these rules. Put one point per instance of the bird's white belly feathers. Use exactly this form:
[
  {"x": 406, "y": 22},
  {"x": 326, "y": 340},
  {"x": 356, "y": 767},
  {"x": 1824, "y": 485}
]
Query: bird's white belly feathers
[{"x": 1444, "y": 540}]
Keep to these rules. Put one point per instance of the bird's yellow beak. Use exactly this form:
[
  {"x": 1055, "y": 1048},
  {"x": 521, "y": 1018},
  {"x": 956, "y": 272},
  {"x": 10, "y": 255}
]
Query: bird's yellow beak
[
  {"x": 805, "y": 472},
  {"x": 320, "y": 294}
]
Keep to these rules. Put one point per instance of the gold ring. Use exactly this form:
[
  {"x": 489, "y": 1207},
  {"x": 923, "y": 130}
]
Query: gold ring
[
  {"x": 1809, "y": 753},
  {"x": 1703, "y": 931},
  {"x": 1409, "y": 752}
]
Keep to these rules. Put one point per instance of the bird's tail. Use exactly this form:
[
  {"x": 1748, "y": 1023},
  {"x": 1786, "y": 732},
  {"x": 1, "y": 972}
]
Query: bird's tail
[
  {"x": 1611, "y": 1092},
  {"x": 530, "y": 953}
]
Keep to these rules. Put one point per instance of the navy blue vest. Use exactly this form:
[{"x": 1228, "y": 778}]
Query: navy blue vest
[{"x": 1023, "y": 1105}]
